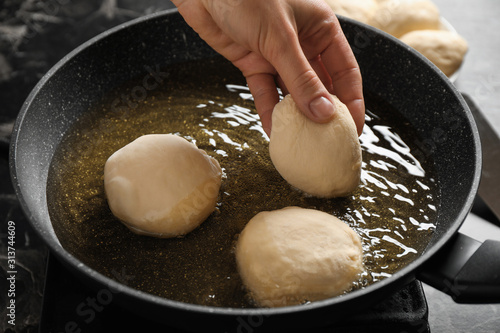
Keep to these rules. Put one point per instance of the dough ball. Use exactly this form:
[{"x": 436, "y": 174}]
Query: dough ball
[
  {"x": 161, "y": 185},
  {"x": 445, "y": 49},
  {"x": 398, "y": 17},
  {"x": 323, "y": 160},
  {"x": 360, "y": 10},
  {"x": 293, "y": 255}
]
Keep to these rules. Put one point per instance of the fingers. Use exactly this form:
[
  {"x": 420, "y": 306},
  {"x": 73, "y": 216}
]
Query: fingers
[
  {"x": 336, "y": 66},
  {"x": 320, "y": 70},
  {"x": 301, "y": 80},
  {"x": 303, "y": 43},
  {"x": 265, "y": 94},
  {"x": 343, "y": 69},
  {"x": 195, "y": 15}
]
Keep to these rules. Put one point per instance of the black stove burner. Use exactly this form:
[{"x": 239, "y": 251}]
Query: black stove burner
[{"x": 70, "y": 306}]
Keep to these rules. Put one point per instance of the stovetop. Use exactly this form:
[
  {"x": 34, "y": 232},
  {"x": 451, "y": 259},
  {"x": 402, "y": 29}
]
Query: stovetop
[
  {"x": 69, "y": 300},
  {"x": 35, "y": 34}
]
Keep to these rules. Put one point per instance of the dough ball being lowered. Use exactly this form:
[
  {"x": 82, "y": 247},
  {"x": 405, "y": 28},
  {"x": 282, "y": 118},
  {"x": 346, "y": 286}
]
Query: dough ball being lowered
[
  {"x": 398, "y": 17},
  {"x": 294, "y": 255},
  {"x": 444, "y": 48},
  {"x": 161, "y": 185},
  {"x": 323, "y": 160}
]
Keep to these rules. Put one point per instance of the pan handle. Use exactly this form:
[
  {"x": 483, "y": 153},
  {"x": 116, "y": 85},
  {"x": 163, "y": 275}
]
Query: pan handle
[{"x": 466, "y": 269}]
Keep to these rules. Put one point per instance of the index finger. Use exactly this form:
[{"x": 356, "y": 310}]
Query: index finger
[{"x": 343, "y": 68}]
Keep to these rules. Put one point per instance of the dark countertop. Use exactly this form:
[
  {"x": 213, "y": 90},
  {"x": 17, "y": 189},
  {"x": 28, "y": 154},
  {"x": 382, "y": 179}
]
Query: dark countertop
[{"x": 34, "y": 35}]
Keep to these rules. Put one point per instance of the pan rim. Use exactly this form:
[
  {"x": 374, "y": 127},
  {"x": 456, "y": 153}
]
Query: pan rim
[{"x": 397, "y": 279}]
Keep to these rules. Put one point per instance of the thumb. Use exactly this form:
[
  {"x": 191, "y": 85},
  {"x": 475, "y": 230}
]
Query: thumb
[{"x": 305, "y": 86}]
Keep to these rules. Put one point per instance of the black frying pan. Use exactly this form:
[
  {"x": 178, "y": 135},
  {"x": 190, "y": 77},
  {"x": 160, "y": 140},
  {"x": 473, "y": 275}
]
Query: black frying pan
[{"x": 391, "y": 72}]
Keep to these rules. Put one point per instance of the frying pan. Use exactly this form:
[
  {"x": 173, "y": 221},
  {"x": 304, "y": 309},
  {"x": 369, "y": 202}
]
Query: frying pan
[{"x": 391, "y": 72}]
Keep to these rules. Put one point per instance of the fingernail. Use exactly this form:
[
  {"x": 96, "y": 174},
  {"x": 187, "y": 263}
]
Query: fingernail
[{"x": 322, "y": 108}]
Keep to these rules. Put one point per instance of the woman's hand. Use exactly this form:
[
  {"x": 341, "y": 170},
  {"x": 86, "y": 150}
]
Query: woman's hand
[{"x": 297, "y": 44}]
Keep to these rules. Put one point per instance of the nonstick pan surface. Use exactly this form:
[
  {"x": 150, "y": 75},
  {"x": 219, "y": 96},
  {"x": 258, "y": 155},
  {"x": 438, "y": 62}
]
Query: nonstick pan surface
[{"x": 391, "y": 72}]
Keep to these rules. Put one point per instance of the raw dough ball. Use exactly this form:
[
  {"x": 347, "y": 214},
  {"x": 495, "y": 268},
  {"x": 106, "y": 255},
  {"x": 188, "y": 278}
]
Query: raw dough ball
[
  {"x": 445, "y": 49},
  {"x": 361, "y": 10},
  {"x": 293, "y": 255},
  {"x": 161, "y": 185},
  {"x": 398, "y": 17},
  {"x": 323, "y": 160}
]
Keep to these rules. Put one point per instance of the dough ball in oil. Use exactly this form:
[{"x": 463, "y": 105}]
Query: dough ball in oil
[
  {"x": 161, "y": 185},
  {"x": 323, "y": 160},
  {"x": 398, "y": 17},
  {"x": 294, "y": 255},
  {"x": 443, "y": 48}
]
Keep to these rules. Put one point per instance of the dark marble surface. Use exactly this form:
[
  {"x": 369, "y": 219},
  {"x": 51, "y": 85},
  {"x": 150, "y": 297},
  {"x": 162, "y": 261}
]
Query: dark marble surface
[{"x": 35, "y": 34}]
